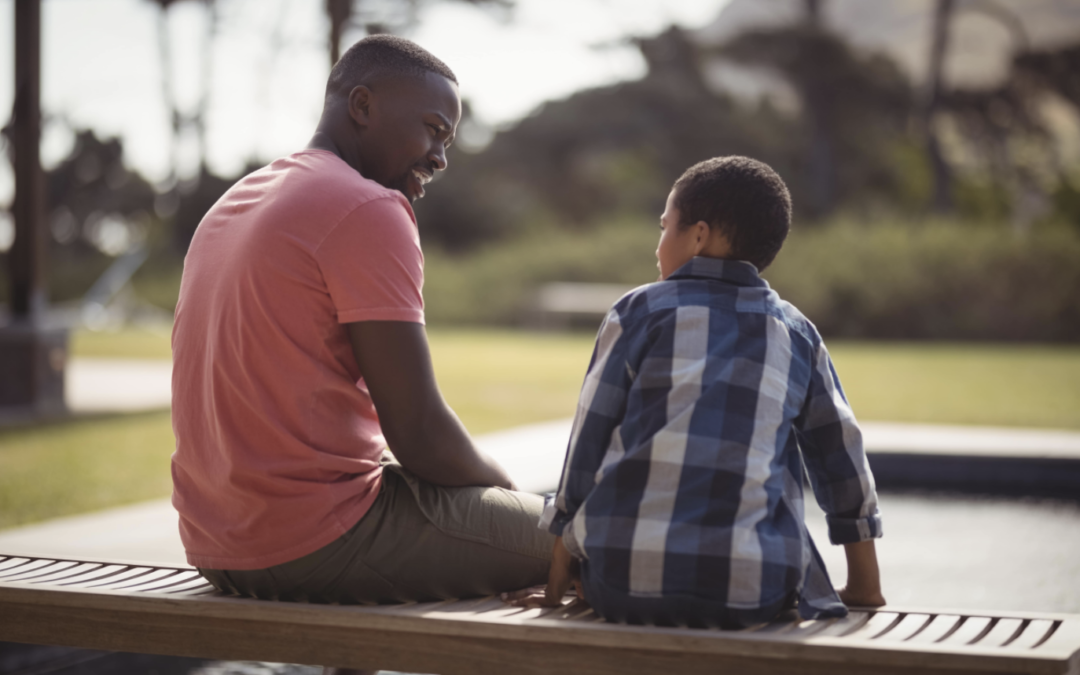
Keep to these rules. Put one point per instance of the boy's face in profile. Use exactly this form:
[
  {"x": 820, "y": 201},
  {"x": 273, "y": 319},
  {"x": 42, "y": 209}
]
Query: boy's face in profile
[{"x": 677, "y": 243}]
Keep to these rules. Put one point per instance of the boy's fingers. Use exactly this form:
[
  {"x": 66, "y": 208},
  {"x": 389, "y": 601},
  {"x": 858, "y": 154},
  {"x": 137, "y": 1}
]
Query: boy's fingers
[
  {"x": 534, "y": 600},
  {"x": 521, "y": 594}
]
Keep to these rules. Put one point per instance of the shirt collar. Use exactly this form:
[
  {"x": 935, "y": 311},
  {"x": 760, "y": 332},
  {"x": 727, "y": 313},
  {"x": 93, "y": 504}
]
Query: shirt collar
[{"x": 738, "y": 272}]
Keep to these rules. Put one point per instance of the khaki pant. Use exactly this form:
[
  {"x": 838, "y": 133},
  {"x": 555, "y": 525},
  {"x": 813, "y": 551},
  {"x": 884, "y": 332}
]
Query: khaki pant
[{"x": 418, "y": 542}]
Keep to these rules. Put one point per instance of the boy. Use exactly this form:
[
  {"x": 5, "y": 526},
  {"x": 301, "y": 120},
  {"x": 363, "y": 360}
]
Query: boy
[{"x": 681, "y": 497}]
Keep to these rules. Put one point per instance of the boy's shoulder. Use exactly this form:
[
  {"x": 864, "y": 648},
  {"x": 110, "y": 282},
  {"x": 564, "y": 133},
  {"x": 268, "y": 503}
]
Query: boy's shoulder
[{"x": 640, "y": 306}]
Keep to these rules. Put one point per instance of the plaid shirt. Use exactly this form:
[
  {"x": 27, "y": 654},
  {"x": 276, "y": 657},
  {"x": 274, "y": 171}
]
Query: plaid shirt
[{"x": 684, "y": 474}]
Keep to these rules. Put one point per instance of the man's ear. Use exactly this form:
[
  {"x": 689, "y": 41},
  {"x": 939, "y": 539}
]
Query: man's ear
[{"x": 360, "y": 105}]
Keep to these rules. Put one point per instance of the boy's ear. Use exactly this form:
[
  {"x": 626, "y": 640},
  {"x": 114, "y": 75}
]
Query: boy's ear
[
  {"x": 702, "y": 235},
  {"x": 360, "y": 105}
]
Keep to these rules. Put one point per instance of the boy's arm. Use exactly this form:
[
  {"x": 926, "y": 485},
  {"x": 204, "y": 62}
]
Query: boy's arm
[
  {"x": 564, "y": 572},
  {"x": 863, "y": 587},
  {"x": 600, "y": 409},
  {"x": 839, "y": 472}
]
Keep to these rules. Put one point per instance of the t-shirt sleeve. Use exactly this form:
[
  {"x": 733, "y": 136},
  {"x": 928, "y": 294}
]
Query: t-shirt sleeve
[{"x": 372, "y": 264}]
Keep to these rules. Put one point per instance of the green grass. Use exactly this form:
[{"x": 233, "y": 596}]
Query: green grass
[
  {"x": 495, "y": 379},
  {"x": 83, "y": 465},
  {"x": 130, "y": 343},
  {"x": 997, "y": 385}
]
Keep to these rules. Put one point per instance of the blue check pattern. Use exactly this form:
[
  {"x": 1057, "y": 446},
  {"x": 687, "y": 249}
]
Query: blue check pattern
[{"x": 707, "y": 401}]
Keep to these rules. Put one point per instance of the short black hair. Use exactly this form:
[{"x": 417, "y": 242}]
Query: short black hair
[
  {"x": 742, "y": 197},
  {"x": 378, "y": 56}
]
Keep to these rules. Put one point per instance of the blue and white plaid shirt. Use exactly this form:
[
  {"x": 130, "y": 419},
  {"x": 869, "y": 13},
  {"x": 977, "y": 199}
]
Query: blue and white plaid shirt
[{"x": 684, "y": 474}]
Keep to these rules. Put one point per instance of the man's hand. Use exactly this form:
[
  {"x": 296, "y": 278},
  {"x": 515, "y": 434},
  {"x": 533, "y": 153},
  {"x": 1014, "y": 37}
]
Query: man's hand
[
  {"x": 421, "y": 430},
  {"x": 564, "y": 573}
]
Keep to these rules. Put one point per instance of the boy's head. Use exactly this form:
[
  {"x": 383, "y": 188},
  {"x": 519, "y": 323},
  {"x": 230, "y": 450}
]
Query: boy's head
[{"x": 734, "y": 208}]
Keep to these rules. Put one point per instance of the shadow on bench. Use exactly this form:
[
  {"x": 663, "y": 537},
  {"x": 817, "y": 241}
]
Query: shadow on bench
[{"x": 172, "y": 611}]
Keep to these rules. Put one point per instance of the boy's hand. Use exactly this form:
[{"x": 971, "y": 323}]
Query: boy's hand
[
  {"x": 564, "y": 574},
  {"x": 864, "y": 580},
  {"x": 853, "y": 598}
]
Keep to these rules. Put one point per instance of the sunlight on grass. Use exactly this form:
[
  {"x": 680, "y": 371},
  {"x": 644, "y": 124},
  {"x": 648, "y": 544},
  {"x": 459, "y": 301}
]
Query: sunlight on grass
[
  {"x": 83, "y": 465},
  {"x": 128, "y": 343},
  {"x": 496, "y": 379},
  {"x": 500, "y": 378},
  {"x": 997, "y": 385}
]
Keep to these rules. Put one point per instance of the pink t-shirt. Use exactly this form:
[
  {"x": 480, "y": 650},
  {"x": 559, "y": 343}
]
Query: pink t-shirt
[{"x": 277, "y": 439}]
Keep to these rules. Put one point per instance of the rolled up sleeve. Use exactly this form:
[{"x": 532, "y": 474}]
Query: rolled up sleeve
[{"x": 836, "y": 462}]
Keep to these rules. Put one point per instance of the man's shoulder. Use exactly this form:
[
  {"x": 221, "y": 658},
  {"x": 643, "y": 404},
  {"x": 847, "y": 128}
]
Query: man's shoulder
[{"x": 312, "y": 191}]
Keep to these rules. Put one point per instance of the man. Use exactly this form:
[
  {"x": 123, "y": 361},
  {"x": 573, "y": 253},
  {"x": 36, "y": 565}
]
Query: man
[{"x": 300, "y": 355}]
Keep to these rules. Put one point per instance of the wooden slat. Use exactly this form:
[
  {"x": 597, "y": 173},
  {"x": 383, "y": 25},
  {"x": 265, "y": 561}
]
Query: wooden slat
[
  {"x": 1003, "y": 631},
  {"x": 972, "y": 629},
  {"x": 41, "y": 572},
  {"x": 178, "y": 579},
  {"x": 908, "y": 627},
  {"x": 147, "y": 581},
  {"x": 123, "y": 577},
  {"x": 878, "y": 624},
  {"x": 64, "y": 573},
  {"x": 198, "y": 582},
  {"x": 1035, "y": 633},
  {"x": 96, "y": 575},
  {"x": 24, "y": 569},
  {"x": 9, "y": 563},
  {"x": 939, "y": 629},
  {"x": 847, "y": 624}
]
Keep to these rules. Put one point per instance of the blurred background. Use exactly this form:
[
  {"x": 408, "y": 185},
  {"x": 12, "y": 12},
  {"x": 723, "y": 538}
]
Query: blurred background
[{"x": 932, "y": 148}]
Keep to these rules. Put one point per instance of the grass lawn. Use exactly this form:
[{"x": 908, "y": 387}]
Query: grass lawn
[{"x": 496, "y": 379}]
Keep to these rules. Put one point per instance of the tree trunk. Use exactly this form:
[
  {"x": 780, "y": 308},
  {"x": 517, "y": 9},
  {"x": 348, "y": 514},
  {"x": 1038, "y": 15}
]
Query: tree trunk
[
  {"x": 939, "y": 48},
  {"x": 339, "y": 12}
]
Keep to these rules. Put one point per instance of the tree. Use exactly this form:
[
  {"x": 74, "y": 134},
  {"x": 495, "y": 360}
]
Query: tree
[
  {"x": 376, "y": 17},
  {"x": 944, "y": 13},
  {"x": 854, "y": 109}
]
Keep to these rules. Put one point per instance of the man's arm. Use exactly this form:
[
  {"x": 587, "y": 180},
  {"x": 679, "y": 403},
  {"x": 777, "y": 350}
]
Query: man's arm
[{"x": 422, "y": 431}]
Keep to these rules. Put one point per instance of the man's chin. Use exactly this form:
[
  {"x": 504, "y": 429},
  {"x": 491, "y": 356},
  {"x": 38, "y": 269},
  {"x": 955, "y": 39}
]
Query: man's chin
[{"x": 410, "y": 188}]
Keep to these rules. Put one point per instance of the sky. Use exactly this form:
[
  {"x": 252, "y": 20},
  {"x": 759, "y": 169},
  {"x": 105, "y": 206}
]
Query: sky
[{"x": 268, "y": 64}]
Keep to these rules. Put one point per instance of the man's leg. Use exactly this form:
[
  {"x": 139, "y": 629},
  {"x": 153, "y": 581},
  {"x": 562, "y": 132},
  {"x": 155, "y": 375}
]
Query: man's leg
[
  {"x": 430, "y": 542},
  {"x": 417, "y": 542}
]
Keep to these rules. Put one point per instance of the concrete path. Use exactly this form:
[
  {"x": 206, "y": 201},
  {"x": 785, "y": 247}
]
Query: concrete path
[{"x": 93, "y": 386}]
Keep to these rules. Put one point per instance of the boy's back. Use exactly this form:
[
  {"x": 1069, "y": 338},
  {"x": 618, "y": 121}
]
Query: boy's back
[
  {"x": 682, "y": 491},
  {"x": 683, "y": 446}
]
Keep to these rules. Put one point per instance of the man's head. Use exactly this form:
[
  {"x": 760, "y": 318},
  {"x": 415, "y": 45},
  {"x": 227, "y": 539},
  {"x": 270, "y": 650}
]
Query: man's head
[
  {"x": 733, "y": 207},
  {"x": 391, "y": 110}
]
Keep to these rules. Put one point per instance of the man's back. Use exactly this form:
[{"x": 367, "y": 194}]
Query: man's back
[{"x": 278, "y": 446}]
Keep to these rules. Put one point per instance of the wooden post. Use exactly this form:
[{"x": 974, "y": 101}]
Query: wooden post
[
  {"x": 27, "y": 255},
  {"x": 32, "y": 354}
]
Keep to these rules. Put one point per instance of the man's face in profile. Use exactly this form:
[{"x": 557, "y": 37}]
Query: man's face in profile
[{"x": 412, "y": 121}]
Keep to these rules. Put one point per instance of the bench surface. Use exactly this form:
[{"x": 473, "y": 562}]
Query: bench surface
[{"x": 171, "y": 610}]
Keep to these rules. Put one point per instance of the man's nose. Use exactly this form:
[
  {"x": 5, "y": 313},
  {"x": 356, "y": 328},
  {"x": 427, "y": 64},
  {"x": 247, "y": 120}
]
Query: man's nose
[{"x": 438, "y": 156}]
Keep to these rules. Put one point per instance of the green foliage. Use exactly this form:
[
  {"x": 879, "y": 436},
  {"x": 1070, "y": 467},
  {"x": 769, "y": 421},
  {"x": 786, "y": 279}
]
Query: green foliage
[
  {"x": 494, "y": 285},
  {"x": 936, "y": 280}
]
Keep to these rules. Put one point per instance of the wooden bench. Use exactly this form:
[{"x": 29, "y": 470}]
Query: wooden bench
[{"x": 170, "y": 610}]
